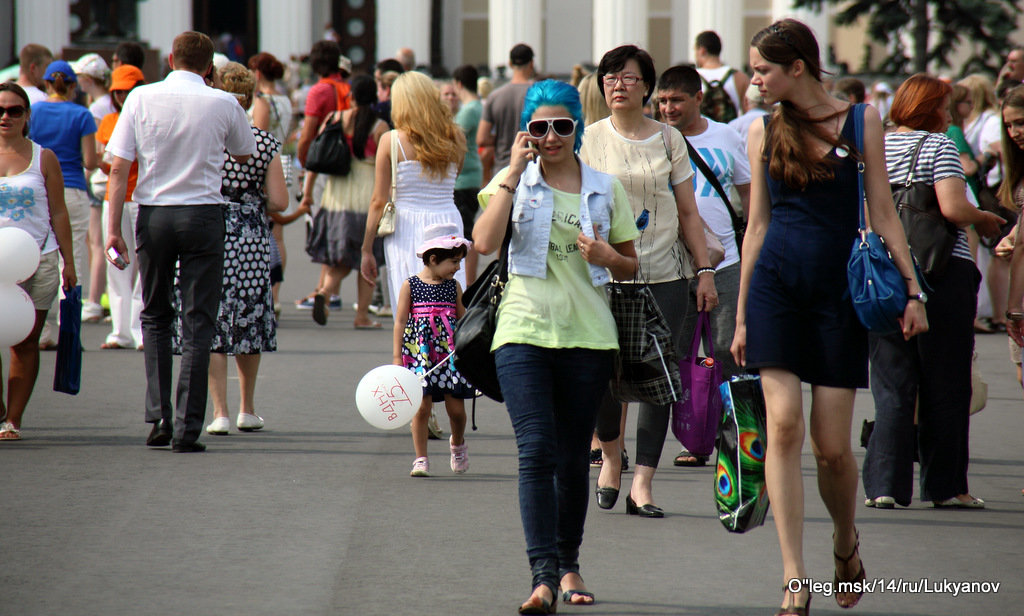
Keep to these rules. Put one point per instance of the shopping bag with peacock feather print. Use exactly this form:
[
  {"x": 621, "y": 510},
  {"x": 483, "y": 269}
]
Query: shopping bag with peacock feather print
[{"x": 740, "y": 492}]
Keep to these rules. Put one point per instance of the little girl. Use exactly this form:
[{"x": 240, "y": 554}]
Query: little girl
[{"x": 429, "y": 305}]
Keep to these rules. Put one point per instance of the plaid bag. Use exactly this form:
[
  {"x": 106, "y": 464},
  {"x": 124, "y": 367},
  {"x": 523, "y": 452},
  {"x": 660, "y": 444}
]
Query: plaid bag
[{"x": 646, "y": 369}]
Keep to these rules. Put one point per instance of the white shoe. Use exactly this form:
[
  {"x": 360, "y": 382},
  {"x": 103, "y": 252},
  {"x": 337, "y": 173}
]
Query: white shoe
[
  {"x": 219, "y": 425},
  {"x": 249, "y": 422},
  {"x": 91, "y": 313}
]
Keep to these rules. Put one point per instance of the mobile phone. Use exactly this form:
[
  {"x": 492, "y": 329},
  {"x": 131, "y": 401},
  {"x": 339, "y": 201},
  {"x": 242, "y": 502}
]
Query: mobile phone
[{"x": 116, "y": 258}]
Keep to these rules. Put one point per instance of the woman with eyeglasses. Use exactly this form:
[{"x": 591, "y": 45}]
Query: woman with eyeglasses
[
  {"x": 32, "y": 199},
  {"x": 556, "y": 338},
  {"x": 794, "y": 320},
  {"x": 651, "y": 161}
]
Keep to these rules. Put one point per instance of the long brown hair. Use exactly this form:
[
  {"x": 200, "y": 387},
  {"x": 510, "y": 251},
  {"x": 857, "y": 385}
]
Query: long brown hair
[
  {"x": 784, "y": 42},
  {"x": 958, "y": 95},
  {"x": 1013, "y": 156}
]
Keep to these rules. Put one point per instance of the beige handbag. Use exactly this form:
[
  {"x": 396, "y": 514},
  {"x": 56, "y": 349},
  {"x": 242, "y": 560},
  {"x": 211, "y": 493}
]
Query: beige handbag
[{"x": 386, "y": 225}]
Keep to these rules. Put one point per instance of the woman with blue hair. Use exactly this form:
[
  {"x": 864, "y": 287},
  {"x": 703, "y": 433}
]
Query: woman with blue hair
[{"x": 555, "y": 338}]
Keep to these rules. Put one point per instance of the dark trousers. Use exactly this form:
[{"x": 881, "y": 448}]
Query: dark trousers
[
  {"x": 192, "y": 236},
  {"x": 652, "y": 420},
  {"x": 932, "y": 370},
  {"x": 551, "y": 396}
]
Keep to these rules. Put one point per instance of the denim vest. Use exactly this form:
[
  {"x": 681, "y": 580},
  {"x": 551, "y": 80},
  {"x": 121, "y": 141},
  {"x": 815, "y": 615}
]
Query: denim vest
[{"x": 531, "y": 220}]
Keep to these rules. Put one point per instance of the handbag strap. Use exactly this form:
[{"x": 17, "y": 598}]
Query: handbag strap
[
  {"x": 394, "y": 165},
  {"x": 712, "y": 178},
  {"x": 703, "y": 332},
  {"x": 913, "y": 160},
  {"x": 858, "y": 138}
]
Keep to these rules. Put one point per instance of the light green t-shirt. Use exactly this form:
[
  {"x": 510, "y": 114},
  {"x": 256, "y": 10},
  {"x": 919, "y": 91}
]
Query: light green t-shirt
[{"x": 564, "y": 310}]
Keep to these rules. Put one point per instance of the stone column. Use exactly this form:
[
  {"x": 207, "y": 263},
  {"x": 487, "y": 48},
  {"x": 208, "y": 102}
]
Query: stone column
[
  {"x": 160, "y": 21},
  {"x": 403, "y": 24},
  {"x": 44, "y": 22},
  {"x": 510, "y": 22},
  {"x": 618, "y": 22},
  {"x": 286, "y": 27},
  {"x": 725, "y": 17}
]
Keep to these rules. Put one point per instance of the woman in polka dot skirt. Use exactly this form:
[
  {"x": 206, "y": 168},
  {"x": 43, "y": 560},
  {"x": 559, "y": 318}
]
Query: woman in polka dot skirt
[
  {"x": 245, "y": 325},
  {"x": 429, "y": 306}
]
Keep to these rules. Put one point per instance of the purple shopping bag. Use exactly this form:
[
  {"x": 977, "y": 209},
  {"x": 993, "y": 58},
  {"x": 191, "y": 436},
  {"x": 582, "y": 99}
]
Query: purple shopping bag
[{"x": 697, "y": 413}]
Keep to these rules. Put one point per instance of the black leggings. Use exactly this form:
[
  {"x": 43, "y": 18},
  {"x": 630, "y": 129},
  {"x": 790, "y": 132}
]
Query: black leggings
[{"x": 652, "y": 422}]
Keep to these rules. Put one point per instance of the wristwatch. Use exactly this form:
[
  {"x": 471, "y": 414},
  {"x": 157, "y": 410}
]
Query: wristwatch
[{"x": 919, "y": 297}]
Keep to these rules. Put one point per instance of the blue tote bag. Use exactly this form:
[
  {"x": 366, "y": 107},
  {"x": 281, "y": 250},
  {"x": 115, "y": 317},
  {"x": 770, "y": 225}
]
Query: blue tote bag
[{"x": 67, "y": 376}]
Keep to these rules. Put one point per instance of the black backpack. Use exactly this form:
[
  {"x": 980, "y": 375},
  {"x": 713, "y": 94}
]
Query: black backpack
[{"x": 717, "y": 103}]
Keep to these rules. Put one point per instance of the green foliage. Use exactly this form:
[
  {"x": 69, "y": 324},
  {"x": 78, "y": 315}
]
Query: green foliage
[{"x": 981, "y": 26}]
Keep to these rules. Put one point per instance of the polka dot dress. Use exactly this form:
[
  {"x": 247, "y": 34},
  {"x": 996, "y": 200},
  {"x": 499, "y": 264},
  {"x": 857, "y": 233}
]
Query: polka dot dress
[
  {"x": 245, "y": 318},
  {"x": 427, "y": 339}
]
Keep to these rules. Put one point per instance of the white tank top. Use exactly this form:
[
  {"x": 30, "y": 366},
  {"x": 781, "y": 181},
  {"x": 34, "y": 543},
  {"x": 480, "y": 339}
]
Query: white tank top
[{"x": 23, "y": 203}]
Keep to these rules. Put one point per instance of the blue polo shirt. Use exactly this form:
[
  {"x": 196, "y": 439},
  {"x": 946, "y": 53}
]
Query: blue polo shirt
[{"x": 60, "y": 127}]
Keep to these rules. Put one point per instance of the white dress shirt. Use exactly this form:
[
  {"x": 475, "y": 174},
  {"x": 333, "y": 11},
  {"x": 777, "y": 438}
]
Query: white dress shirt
[{"x": 178, "y": 130}]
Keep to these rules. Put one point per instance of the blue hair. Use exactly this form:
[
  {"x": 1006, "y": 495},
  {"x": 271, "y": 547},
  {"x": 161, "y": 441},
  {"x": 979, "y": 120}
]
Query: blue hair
[{"x": 554, "y": 93}]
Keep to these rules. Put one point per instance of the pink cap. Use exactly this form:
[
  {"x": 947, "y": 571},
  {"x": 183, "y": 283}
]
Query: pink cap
[{"x": 442, "y": 235}]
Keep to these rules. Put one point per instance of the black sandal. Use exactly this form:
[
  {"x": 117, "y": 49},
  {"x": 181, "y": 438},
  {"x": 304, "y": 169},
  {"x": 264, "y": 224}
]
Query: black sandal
[
  {"x": 791, "y": 609},
  {"x": 545, "y": 607},
  {"x": 856, "y": 582}
]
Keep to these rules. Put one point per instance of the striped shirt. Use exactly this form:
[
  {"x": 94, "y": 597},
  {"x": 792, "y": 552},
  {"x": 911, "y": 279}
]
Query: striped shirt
[{"x": 937, "y": 161}]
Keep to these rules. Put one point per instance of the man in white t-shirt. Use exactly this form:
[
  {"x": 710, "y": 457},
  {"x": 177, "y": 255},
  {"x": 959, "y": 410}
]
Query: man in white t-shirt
[
  {"x": 722, "y": 149},
  {"x": 178, "y": 130},
  {"x": 707, "y": 49},
  {"x": 33, "y": 60}
]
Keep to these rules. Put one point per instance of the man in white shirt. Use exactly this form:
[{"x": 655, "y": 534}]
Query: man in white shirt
[
  {"x": 722, "y": 150},
  {"x": 707, "y": 52},
  {"x": 177, "y": 130},
  {"x": 32, "y": 62}
]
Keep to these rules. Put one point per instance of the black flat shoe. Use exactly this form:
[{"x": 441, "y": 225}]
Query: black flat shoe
[
  {"x": 606, "y": 497},
  {"x": 647, "y": 511},
  {"x": 194, "y": 447},
  {"x": 160, "y": 435}
]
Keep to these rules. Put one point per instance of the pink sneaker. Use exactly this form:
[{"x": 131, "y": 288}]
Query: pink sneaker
[
  {"x": 420, "y": 468},
  {"x": 460, "y": 456}
]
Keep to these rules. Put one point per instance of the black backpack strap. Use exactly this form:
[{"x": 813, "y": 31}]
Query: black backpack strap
[{"x": 737, "y": 222}]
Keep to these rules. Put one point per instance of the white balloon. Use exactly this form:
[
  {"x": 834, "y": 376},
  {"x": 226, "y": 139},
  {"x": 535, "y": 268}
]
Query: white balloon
[
  {"x": 388, "y": 396},
  {"x": 19, "y": 255},
  {"x": 17, "y": 315}
]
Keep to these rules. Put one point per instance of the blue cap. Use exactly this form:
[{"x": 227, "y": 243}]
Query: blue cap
[{"x": 62, "y": 67}]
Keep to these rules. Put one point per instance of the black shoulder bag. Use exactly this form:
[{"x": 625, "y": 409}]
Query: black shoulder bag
[
  {"x": 930, "y": 235},
  {"x": 329, "y": 152},
  {"x": 739, "y": 227},
  {"x": 475, "y": 331}
]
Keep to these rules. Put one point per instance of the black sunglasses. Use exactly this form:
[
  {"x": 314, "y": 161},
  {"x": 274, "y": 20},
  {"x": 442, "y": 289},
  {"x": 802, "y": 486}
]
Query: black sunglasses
[
  {"x": 13, "y": 112},
  {"x": 563, "y": 127}
]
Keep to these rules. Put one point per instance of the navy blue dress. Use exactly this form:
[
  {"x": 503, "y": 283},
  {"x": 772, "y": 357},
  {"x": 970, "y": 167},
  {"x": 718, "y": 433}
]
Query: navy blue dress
[{"x": 799, "y": 313}]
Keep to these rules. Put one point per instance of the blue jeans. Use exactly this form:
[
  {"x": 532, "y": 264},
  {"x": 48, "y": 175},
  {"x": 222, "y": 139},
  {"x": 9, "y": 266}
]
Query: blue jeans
[{"x": 552, "y": 397}]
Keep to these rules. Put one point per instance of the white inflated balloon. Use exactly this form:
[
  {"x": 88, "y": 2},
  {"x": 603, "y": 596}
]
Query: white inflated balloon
[
  {"x": 17, "y": 315},
  {"x": 388, "y": 396},
  {"x": 19, "y": 255}
]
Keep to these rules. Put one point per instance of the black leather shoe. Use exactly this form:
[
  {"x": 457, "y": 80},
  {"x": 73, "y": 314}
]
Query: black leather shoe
[
  {"x": 194, "y": 447},
  {"x": 160, "y": 435},
  {"x": 606, "y": 497},
  {"x": 647, "y": 511}
]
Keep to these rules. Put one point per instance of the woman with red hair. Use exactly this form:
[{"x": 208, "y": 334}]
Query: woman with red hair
[{"x": 931, "y": 371}]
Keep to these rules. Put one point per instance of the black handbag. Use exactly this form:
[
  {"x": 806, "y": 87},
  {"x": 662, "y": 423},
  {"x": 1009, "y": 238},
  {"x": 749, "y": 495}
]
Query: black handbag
[
  {"x": 329, "y": 153},
  {"x": 646, "y": 369},
  {"x": 474, "y": 333},
  {"x": 988, "y": 201},
  {"x": 930, "y": 235}
]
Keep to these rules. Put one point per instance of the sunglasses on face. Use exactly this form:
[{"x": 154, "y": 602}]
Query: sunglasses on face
[
  {"x": 563, "y": 127},
  {"x": 14, "y": 112}
]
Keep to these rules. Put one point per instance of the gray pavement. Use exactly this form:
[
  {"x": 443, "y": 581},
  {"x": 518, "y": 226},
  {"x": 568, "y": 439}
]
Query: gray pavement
[{"x": 317, "y": 514}]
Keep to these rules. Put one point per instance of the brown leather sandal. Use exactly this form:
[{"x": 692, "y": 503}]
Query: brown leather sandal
[{"x": 856, "y": 582}]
